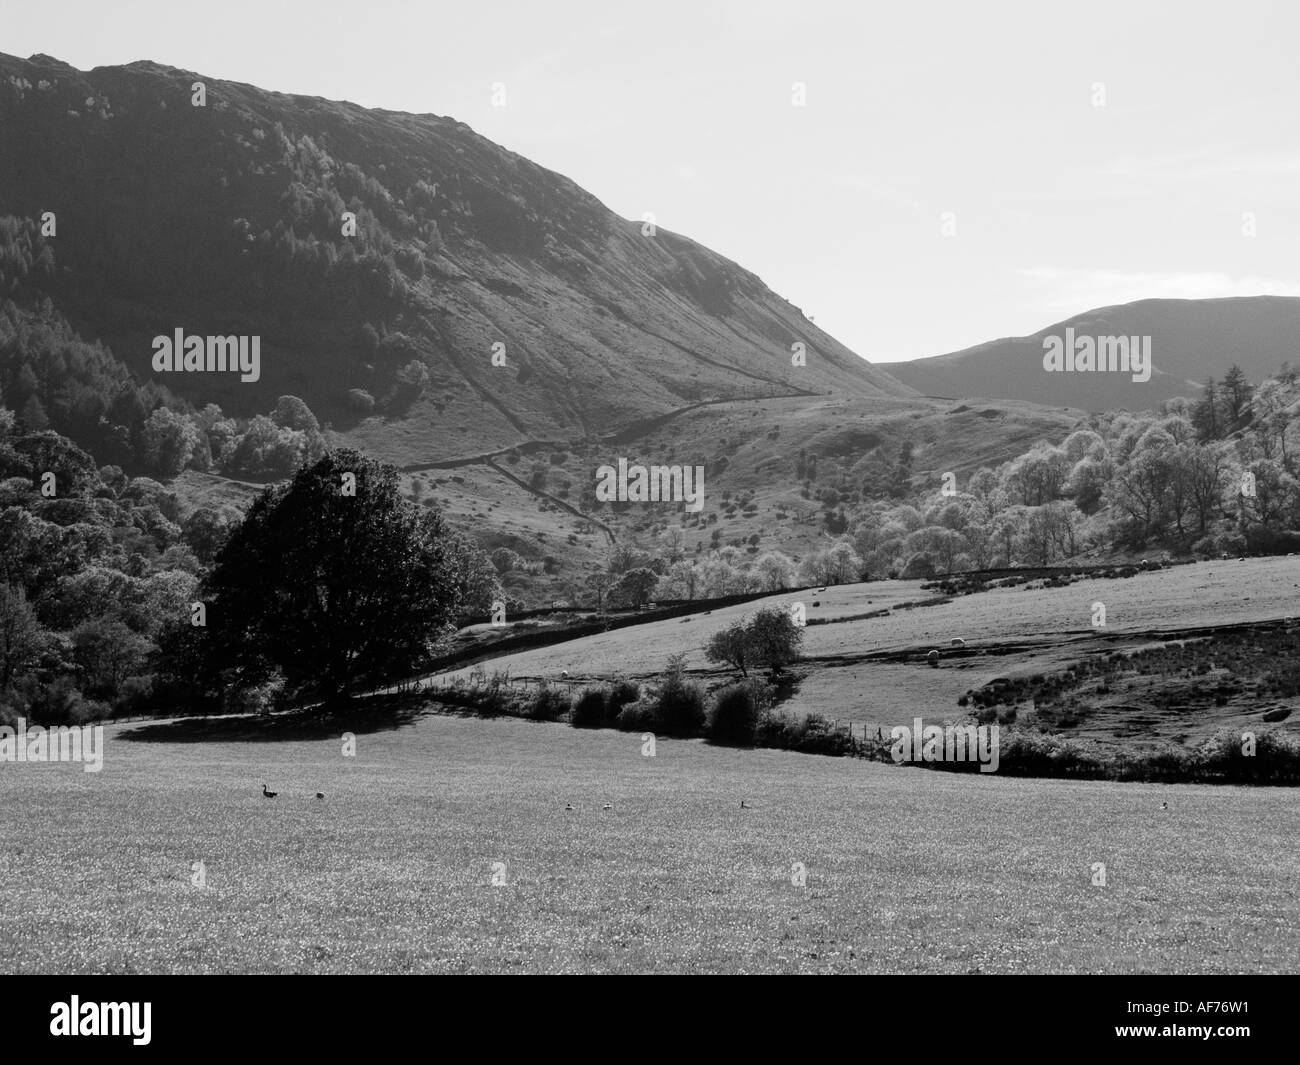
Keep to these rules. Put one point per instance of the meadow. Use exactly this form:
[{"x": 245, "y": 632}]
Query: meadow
[
  {"x": 907, "y": 871},
  {"x": 865, "y": 645}
]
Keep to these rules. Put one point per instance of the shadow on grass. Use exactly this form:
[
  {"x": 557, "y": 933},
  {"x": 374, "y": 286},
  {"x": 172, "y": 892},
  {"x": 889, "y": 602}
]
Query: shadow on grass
[{"x": 377, "y": 713}]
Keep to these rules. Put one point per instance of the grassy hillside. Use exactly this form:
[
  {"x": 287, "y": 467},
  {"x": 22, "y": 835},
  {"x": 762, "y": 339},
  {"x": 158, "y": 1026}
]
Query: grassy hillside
[
  {"x": 906, "y": 871},
  {"x": 750, "y": 450},
  {"x": 872, "y": 670}
]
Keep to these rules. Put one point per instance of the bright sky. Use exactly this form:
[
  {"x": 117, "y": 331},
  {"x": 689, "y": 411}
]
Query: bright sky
[{"x": 684, "y": 108}]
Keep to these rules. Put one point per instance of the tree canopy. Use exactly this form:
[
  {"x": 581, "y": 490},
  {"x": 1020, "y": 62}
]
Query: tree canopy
[{"x": 334, "y": 579}]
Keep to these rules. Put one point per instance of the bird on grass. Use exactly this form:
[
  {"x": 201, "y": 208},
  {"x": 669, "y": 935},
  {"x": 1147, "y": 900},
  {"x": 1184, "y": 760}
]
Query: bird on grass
[
  {"x": 320, "y": 795},
  {"x": 269, "y": 794},
  {"x": 744, "y": 805},
  {"x": 1164, "y": 806},
  {"x": 568, "y": 806},
  {"x": 608, "y": 806}
]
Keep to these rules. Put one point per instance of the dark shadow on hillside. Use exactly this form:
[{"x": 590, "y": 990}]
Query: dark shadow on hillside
[{"x": 379, "y": 713}]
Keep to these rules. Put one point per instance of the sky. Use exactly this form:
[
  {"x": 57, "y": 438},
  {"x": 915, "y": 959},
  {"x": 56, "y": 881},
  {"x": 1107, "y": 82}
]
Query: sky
[{"x": 918, "y": 177}]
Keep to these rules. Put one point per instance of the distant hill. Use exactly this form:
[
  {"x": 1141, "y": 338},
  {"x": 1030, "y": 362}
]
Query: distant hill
[
  {"x": 1190, "y": 340},
  {"x": 228, "y": 219}
]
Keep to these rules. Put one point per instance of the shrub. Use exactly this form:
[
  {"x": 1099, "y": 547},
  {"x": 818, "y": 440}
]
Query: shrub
[
  {"x": 734, "y": 715},
  {"x": 485, "y": 696},
  {"x": 676, "y": 709},
  {"x": 549, "y": 704},
  {"x": 620, "y": 693},
  {"x": 811, "y": 734},
  {"x": 1276, "y": 758},
  {"x": 639, "y": 716},
  {"x": 590, "y": 709},
  {"x": 680, "y": 702}
]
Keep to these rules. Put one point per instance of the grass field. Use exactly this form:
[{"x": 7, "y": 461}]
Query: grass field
[
  {"x": 906, "y": 870},
  {"x": 872, "y": 670}
]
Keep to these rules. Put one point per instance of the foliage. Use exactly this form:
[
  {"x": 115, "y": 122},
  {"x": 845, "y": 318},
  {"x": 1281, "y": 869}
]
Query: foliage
[{"x": 335, "y": 588}]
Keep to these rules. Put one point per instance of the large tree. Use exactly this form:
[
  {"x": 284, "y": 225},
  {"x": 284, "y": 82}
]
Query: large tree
[{"x": 335, "y": 579}]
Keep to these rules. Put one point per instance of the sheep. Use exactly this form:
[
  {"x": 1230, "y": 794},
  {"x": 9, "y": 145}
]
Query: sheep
[
  {"x": 956, "y": 641},
  {"x": 933, "y": 658}
]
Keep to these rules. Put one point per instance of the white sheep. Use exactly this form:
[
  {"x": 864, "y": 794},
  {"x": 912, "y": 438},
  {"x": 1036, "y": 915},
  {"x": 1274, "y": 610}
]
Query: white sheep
[{"x": 957, "y": 641}]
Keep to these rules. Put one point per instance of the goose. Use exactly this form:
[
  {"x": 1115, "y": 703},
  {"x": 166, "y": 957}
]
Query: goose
[
  {"x": 269, "y": 794},
  {"x": 320, "y": 795},
  {"x": 744, "y": 805},
  {"x": 608, "y": 806},
  {"x": 568, "y": 806},
  {"x": 1164, "y": 806}
]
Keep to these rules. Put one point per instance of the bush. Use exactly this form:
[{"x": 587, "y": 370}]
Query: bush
[
  {"x": 590, "y": 709},
  {"x": 734, "y": 716},
  {"x": 639, "y": 716},
  {"x": 676, "y": 709},
  {"x": 680, "y": 703},
  {"x": 484, "y": 696},
  {"x": 620, "y": 693},
  {"x": 811, "y": 734},
  {"x": 549, "y": 704},
  {"x": 1276, "y": 758}
]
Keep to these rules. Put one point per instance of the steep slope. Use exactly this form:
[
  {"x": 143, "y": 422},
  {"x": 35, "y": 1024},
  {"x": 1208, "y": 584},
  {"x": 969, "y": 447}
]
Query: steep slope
[
  {"x": 1190, "y": 341},
  {"x": 228, "y": 218}
]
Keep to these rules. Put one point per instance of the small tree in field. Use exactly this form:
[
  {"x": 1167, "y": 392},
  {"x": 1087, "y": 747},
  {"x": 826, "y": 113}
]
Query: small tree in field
[
  {"x": 774, "y": 638},
  {"x": 770, "y": 638},
  {"x": 730, "y": 647}
]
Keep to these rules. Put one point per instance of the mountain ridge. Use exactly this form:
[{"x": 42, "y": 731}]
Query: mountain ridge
[
  {"x": 1192, "y": 339},
  {"x": 227, "y": 218}
]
